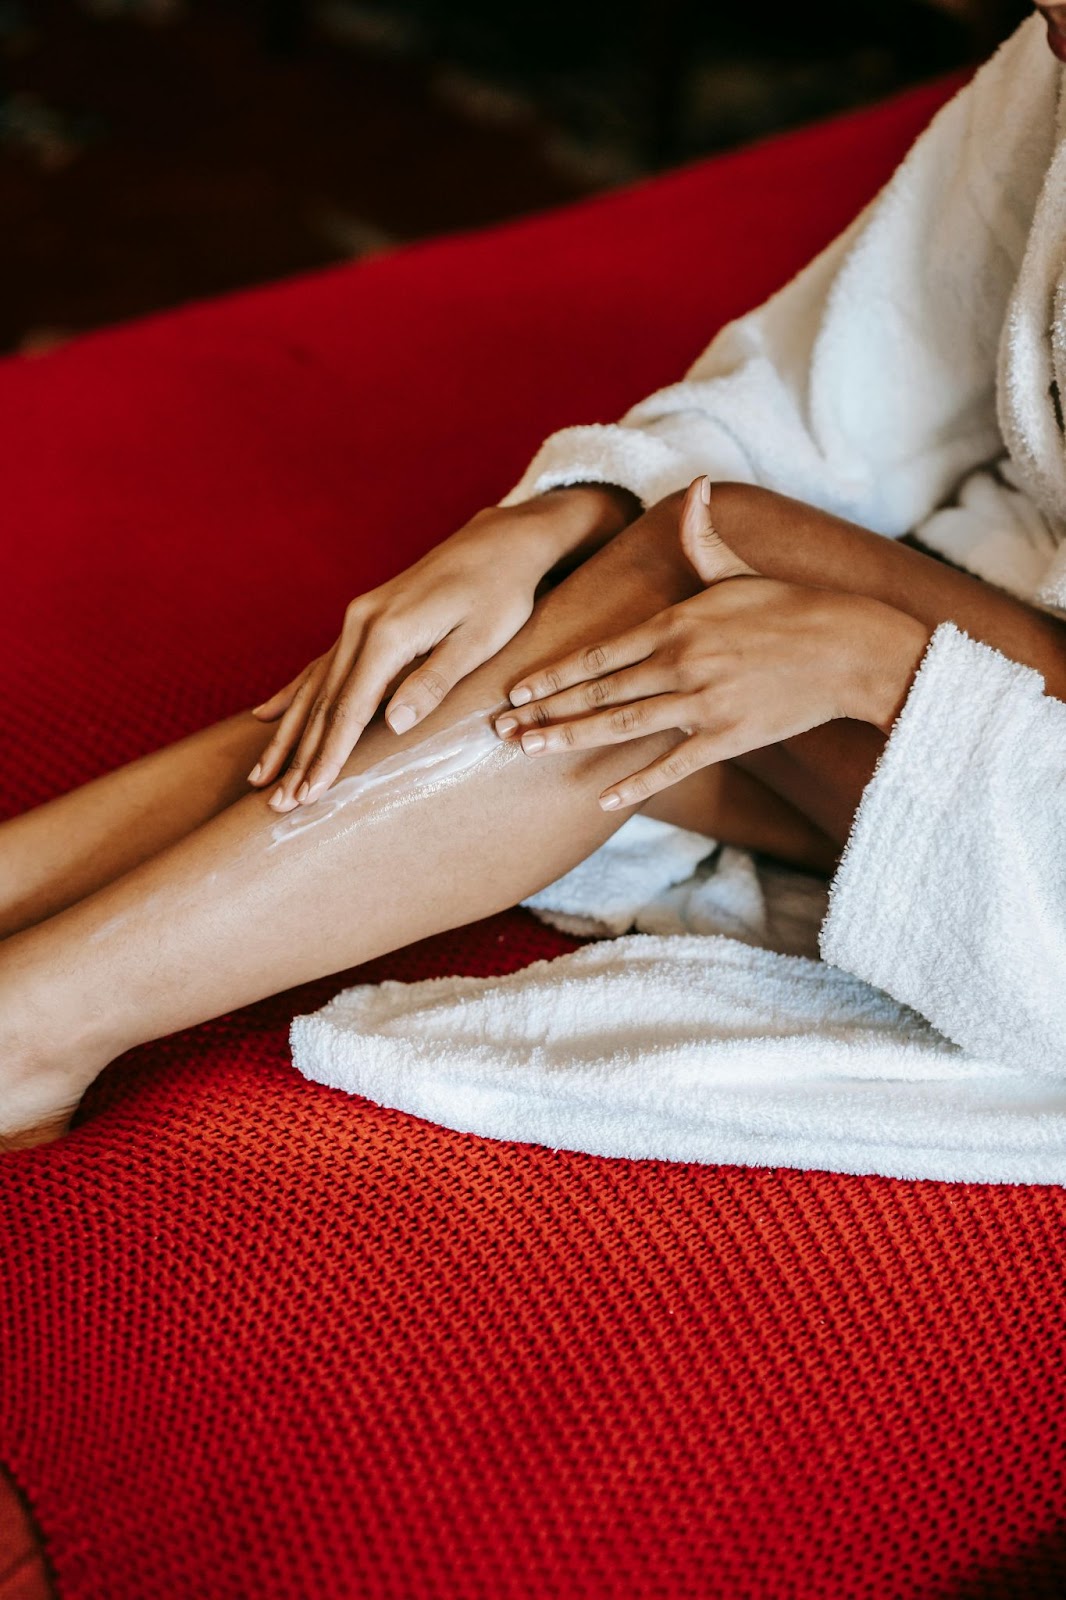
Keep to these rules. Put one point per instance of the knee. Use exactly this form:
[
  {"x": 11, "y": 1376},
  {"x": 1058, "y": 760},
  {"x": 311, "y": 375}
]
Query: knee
[
  {"x": 737, "y": 507},
  {"x": 734, "y": 506},
  {"x": 649, "y": 551}
]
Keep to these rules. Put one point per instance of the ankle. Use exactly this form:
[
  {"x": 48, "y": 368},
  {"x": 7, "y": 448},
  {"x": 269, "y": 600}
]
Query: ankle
[{"x": 45, "y": 1063}]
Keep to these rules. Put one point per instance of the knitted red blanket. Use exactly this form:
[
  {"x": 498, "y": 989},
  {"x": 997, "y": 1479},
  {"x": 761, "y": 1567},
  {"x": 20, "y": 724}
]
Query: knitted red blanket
[{"x": 260, "y": 1339}]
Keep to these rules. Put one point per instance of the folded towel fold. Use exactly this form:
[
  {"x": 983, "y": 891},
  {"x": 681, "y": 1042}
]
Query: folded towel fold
[{"x": 689, "y": 1048}]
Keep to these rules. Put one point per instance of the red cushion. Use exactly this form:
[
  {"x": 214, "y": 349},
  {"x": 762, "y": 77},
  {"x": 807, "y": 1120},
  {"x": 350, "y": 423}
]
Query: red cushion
[{"x": 261, "y": 1339}]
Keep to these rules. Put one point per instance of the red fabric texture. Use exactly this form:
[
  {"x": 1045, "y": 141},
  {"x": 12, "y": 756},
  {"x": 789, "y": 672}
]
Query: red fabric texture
[{"x": 260, "y": 1338}]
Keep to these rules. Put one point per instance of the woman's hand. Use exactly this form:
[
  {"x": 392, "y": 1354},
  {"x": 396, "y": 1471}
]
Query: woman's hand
[
  {"x": 746, "y": 663},
  {"x": 455, "y": 607}
]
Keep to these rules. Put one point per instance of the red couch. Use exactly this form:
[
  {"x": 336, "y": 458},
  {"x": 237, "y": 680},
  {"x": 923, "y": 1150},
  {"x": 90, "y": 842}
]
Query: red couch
[{"x": 261, "y": 1339}]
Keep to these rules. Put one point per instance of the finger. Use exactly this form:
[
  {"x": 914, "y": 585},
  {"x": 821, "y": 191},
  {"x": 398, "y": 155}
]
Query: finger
[
  {"x": 316, "y": 717},
  {"x": 625, "y": 722},
  {"x": 456, "y": 656},
  {"x": 353, "y": 641},
  {"x": 276, "y": 753},
  {"x": 355, "y": 703},
  {"x": 701, "y": 541},
  {"x": 271, "y": 709},
  {"x": 615, "y": 688},
  {"x": 701, "y": 750},
  {"x": 590, "y": 662}
]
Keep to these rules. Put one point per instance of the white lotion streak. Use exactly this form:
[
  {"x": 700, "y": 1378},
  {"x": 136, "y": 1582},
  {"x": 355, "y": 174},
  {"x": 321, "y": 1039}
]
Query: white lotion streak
[{"x": 410, "y": 774}]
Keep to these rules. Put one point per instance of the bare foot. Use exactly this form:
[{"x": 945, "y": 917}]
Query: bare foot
[
  {"x": 51, "y": 1045},
  {"x": 41, "y": 1081},
  {"x": 41, "y": 1133}
]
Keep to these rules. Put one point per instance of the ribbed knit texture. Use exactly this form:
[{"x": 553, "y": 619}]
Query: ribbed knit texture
[{"x": 260, "y": 1339}]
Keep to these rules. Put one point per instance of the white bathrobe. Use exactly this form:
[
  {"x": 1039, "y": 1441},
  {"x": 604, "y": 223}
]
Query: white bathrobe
[{"x": 908, "y": 378}]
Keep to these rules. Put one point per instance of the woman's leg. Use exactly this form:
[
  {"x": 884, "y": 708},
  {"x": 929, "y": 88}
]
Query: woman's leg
[
  {"x": 56, "y": 854},
  {"x": 229, "y": 914},
  {"x": 65, "y": 850}
]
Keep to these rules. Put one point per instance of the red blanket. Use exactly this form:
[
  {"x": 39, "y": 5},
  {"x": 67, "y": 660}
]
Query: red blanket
[{"x": 260, "y": 1339}]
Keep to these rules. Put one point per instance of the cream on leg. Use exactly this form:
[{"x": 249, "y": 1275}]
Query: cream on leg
[
  {"x": 251, "y": 903},
  {"x": 65, "y": 850}
]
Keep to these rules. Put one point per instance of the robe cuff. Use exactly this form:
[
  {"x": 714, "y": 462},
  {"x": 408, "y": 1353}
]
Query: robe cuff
[
  {"x": 637, "y": 459},
  {"x": 910, "y": 899}
]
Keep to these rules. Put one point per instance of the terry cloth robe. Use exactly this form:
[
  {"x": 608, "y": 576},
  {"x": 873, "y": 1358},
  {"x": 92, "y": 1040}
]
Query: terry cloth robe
[{"x": 908, "y": 378}]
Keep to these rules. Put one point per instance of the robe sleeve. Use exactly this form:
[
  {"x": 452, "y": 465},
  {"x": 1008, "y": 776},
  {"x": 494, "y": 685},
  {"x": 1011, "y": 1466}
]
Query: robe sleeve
[
  {"x": 867, "y": 385},
  {"x": 951, "y": 893}
]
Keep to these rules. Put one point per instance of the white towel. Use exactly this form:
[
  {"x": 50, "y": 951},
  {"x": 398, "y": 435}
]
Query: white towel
[
  {"x": 689, "y": 1049},
  {"x": 607, "y": 892},
  {"x": 655, "y": 878}
]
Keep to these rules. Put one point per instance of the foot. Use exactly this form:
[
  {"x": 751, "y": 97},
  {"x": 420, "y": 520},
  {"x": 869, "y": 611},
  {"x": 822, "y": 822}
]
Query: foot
[
  {"x": 41, "y": 1081},
  {"x": 35, "y": 1110},
  {"x": 40, "y": 1133}
]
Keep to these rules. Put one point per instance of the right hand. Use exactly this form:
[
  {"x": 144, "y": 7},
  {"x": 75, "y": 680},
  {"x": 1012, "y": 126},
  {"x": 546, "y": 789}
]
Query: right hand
[{"x": 456, "y": 607}]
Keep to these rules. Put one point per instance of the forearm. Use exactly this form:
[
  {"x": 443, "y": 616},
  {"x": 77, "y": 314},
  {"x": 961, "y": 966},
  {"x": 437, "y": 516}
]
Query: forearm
[
  {"x": 797, "y": 543},
  {"x": 588, "y": 516}
]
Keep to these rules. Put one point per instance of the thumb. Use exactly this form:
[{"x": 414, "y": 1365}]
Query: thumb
[{"x": 702, "y": 544}]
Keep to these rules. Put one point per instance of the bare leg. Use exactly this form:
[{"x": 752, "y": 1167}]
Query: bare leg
[
  {"x": 217, "y": 920},
  {"x": 65, "y": 850},
  {"x": 56, "y": 854}
]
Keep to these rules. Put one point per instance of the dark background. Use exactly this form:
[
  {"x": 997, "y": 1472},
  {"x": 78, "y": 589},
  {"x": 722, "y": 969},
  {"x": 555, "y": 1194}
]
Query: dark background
[{"x": 153, "y": 151}]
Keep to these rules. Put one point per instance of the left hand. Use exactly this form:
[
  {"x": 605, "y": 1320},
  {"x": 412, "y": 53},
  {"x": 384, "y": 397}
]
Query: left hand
[{"x": 747, "y": 662}]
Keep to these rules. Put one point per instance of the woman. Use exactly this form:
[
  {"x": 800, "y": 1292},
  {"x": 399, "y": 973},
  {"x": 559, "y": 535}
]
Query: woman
[{"x": 722, "y": 656}]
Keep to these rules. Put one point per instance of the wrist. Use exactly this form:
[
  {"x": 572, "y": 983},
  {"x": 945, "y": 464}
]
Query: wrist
[
  {"x": 588, "y": 513},
  {"x": 571, "y": 523},
  {"x": 889, "y": 646}
]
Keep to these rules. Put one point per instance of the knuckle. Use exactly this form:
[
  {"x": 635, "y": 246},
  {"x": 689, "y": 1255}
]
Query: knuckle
[
  {"x": 552, "y": 682},
  {"x": 345, "y": 709},
  {"x": 375, "y": 633},
  {"x": 538, "y": 713},
  {"x": 594, "y": 659},
  {"x": 597, "y": 691},
  {"x": 676, "y": 766},
  {"x": 435, "y": 683},
  {"x": 626, "y": 718},
  {"x": 566, "y": 733}
]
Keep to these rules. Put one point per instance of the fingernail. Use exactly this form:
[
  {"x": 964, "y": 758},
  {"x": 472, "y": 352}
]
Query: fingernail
[
  {"x": 401, "y": 718},
  {"x": 506, "y": 725},
  {"x": 705, "y": 490},
  {"x": 277, "y": 799},
  {"x": 256, "y": 709},
  {"x": 532, "y": 743},
  {"x": 302, "y": 792},
  {"x": 518, "y": 697},
  {"x": 311, "y": 791},
  {"x": 253, "y": 776},
  {"x": 610, "y": 802}
]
